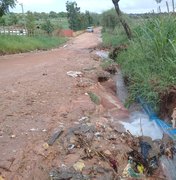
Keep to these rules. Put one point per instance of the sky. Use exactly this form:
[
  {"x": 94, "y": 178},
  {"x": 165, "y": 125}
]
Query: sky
[{"x": 127, "y": 6}]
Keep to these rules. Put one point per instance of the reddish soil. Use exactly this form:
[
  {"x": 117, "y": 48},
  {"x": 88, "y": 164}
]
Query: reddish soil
[{"x": 37, "y": 97}]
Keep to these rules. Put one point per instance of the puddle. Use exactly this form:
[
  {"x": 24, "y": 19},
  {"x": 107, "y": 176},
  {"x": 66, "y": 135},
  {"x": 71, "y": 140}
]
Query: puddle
[
  {"x": 139, "y": 124},
  {"x": 103, "y": 54}
]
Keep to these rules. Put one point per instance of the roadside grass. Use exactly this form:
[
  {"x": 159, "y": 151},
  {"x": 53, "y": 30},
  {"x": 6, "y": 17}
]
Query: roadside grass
[
  {"x": 113, "y": 38},
  {"x": 149, "y": 63},
  {"x": 17, "y": 44}
]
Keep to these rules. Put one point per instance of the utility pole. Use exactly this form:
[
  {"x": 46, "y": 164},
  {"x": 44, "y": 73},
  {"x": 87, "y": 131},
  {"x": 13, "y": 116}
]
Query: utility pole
[{"x": 21, "y": 4}]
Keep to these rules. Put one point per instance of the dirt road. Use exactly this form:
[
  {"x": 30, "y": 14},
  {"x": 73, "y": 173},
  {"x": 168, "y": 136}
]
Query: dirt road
[{"x": 36, "y": 97}]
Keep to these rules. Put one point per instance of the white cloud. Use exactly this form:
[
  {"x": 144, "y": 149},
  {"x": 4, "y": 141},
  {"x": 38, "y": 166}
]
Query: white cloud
[{"x": 128, "y": 6}]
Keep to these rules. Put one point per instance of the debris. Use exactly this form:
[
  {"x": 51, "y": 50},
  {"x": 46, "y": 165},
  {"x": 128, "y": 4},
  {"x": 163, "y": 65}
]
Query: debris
[
  {"x": 54, "y": 137},
  {"x": 85, "y": 118},
  {"x": 74, "y": 74},
  {"x": 97, "y": 134},
  {"x": 13, "y": 136},
  {"x": 44, "y": 130},
  {"x": 65, "y": 174},
  {"x": 71, "y": 146},
  {"x": 33, "y": 129},
  {"x": 129, "y": 171},
  {"x": 65, "y": 45},
  {"x": 113, "y": 164},
  {"x": 107, "y": 153},
  {"x": 152, "y": 165},
  {"x": 84, "y": 82},
  {"x": 79, "y": 166},
  {"x": 45, "y": 146},
  {"x": 145, "y": 147},
  {"x": 140, "y": 168}
]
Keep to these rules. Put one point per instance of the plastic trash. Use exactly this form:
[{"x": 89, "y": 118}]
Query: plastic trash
[{"x": 145, "y": 148}]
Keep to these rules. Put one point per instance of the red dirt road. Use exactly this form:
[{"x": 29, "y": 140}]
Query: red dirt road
[{"x": 36, "y": 97}]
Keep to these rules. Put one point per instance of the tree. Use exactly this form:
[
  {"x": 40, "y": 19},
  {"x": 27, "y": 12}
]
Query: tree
[
  {"x": 109, "y": 19},
  {"x": 124, "y": 24},
  {"x": 2, "y": 21},
  {"x": 73, "y": 15},
  {"x": 89, "y": 18},
  {"x": 4, "y": 6},
  {"x": 62, "y": 14},
  {"x": 53, "y": 14},
  {"x": 13, "y": 19},
  {"x": 48, "y": 26},
  {"x": 30, "y": 22}
]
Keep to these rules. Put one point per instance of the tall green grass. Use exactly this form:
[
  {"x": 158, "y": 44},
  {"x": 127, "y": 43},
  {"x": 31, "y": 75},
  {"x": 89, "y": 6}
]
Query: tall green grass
[
  {"x": 150, "y": 61},
  {"x": 16, "y": 44},
  {"x": 113, "y": 38}
]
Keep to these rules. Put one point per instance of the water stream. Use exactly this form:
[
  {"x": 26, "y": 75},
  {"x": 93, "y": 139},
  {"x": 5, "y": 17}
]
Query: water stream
[{"x": 139, "y": 123}]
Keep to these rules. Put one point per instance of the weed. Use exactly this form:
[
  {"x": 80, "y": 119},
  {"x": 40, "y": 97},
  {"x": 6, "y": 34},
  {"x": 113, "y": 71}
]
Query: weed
[{"x": 94, "y": 98}]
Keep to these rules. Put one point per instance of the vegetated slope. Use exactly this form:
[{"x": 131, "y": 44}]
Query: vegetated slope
[
  {"x": 150, "y": 64},
  {"x": 148, "y": 60}
]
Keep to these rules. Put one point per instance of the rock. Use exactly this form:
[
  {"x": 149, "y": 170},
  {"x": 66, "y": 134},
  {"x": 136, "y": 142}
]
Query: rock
[
  {"x": 54, "y": 137},
  {"x": 74, "y": 74},
  {"x": 107, "y": 153},
  {"x": 13, "y": 136},
  {"x": 79, "y": 166},
  {"x": 45, "y": 146},
  {"x": 65, "y": 174},
  {"x": 84, "y": 82}
]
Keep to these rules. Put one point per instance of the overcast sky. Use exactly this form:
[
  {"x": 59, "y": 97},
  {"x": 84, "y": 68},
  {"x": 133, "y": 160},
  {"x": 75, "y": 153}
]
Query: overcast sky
[{"x": 128, "y": 6}]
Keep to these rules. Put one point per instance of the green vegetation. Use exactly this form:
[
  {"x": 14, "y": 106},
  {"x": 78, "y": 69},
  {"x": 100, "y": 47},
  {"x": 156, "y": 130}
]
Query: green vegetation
[
  {"x": 4, "y": 6},
  {"x": 113, "y": 38},
  {"x": 18, "y": 44},
  {"x": 94, "y": 98},
  {"x": 149, "y": 63},
  {"x": 77, "y": 20}
]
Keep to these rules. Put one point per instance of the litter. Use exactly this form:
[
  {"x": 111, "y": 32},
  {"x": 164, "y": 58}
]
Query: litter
[
  {"x": 129, "y": 171},
  {"x": 145, "y": 147},
  {"x": 54, "y": 137},
  {"x": 74, "y": 74},
  {"x": 33, "y": 129}
]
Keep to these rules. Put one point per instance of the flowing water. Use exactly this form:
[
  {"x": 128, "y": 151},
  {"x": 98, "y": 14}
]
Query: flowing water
[{"x": 139, "y": 123}]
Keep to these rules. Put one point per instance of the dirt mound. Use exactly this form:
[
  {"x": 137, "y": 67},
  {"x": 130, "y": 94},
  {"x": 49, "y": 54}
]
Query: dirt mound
[{"x": 168, "y": 103}]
